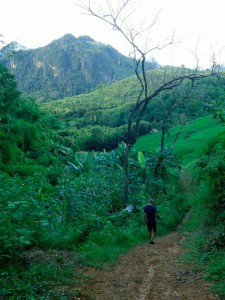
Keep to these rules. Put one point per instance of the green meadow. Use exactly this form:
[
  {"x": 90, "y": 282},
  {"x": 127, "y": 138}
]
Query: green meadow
[{"x": 191, "y": 142}]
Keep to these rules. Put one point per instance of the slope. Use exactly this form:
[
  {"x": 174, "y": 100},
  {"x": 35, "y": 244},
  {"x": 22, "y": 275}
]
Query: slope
[
  {"x": 191, "y": 141},
  {"x": 106, "y": 109}
]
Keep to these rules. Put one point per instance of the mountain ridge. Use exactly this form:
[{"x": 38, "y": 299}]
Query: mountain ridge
[{"x": 68, "y": 66}]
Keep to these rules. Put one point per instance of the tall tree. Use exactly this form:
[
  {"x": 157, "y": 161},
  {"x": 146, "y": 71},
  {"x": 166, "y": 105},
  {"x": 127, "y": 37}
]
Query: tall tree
[{"x": 117, "y": 14}]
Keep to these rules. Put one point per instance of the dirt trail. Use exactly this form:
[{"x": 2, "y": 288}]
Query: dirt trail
[{"x": 151, "y": 272}]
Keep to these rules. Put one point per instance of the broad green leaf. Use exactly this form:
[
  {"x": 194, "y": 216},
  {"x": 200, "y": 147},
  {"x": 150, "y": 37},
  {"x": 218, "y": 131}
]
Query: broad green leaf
[{"x": 141, "y": 159}]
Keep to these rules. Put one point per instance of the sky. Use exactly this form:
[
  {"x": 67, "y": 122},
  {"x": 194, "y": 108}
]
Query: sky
[{"x": 197, "y": 26}]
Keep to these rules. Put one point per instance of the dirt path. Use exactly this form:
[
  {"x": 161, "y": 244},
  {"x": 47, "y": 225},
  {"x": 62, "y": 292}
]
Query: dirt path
[{"x": 151, "y": 272}]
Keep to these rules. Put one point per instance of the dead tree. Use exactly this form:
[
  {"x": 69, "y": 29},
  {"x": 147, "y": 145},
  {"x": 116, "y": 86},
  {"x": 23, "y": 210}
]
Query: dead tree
[
  {"x": 115, "y": 14},
  {"x": 178, "y": 97}
]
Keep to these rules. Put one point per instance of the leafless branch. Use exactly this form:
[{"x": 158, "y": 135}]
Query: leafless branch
[
  {"x": 176, "y": 137},
  {"x": 152, "y": 88}
]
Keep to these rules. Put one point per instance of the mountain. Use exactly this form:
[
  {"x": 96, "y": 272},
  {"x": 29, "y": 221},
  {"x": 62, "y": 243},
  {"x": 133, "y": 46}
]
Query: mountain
[
  {"x": 9, "y": 50},
  {"x": 13, "y": 46},
  {"x": 69, "y": 66}
]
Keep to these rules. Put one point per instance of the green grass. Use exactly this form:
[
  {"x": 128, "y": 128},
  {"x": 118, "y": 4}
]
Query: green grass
[
  {"x": 187, "y": 149},
  {"x": 201, "y": 250}
]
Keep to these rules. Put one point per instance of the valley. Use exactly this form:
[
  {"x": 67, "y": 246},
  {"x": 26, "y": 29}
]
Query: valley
[{"x": 82, "y": 150}]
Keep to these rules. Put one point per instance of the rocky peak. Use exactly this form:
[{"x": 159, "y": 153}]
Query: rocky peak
[{"x": 13, "y": 46}]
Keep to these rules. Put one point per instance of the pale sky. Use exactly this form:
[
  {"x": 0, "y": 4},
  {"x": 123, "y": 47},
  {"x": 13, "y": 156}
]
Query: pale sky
[{"x": 198, "y": 24}]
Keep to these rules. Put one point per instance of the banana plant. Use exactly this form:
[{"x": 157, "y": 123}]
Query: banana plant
[{"x": 141, "y": 160}]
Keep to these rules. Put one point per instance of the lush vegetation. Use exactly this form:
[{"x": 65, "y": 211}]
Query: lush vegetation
[
  {"x": 205, "y": 245},
  {"x": 58, "y": 206},
  {"x": 28, "y": 140},
  {"x": 202, "y": 159},
  {"x": 103, "y": 113},
  {"x": 82, "y": 215},
  {"x": 62, "y": 209},
  {"x": 191, "y": 142}
]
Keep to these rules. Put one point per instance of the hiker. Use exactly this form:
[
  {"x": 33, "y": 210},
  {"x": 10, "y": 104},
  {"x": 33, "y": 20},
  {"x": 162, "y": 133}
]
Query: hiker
[{"x": 150, "y": 215}]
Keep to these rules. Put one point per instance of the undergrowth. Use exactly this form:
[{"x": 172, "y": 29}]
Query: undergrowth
[
  {"x": 204, "y": 248},
  {"x": 49, "y": 233},
  {"x": 58, "y": 274}
]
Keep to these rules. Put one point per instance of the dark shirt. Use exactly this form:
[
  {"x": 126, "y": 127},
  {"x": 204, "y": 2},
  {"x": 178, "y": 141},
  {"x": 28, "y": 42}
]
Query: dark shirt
[{"x": 150, "y": 210}]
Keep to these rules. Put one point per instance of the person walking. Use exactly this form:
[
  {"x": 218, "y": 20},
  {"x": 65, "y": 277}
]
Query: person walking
[{"x": 150, "y": 215}]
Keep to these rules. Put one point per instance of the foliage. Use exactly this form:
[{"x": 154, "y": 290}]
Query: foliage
[
  {"x": 57, "y": 202},
  {"x": 206, "y": 244},
  {"x": 26, "y": 132},
  {"x": 192, "y": 140},
  {"x": 107, "y": 108},
  {"x": 83, "y": 212}
]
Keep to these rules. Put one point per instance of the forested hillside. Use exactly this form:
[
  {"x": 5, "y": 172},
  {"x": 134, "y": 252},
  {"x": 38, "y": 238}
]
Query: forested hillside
[
  {"x": 98, "y": 120},
  {"x": 27, "y": 133},
  {"x": 67, "y": 66}
]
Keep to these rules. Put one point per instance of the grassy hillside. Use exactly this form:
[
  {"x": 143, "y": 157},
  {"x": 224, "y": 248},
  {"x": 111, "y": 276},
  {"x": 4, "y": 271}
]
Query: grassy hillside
[{"x": 191, "y": 141}]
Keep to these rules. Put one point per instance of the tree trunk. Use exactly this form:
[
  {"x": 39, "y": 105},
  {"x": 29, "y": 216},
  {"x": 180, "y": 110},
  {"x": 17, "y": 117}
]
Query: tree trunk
[
  {"x": 126, "y": 178},
  {"x": 163, "y": 138}
]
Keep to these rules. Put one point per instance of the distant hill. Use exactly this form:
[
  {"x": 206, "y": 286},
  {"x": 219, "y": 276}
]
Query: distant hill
[
  {"x": 68, "y": 66},
  {"x": 109, "y": 105}
]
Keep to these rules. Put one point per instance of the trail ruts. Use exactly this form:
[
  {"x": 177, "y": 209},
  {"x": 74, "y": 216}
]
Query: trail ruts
[{"x": 151, "y": 272}]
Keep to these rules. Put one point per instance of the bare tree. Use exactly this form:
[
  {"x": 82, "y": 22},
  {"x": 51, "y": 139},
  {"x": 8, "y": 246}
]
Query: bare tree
[
  {"x": 169, "y": 103},
  {"x": 115, "y": 14}
]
